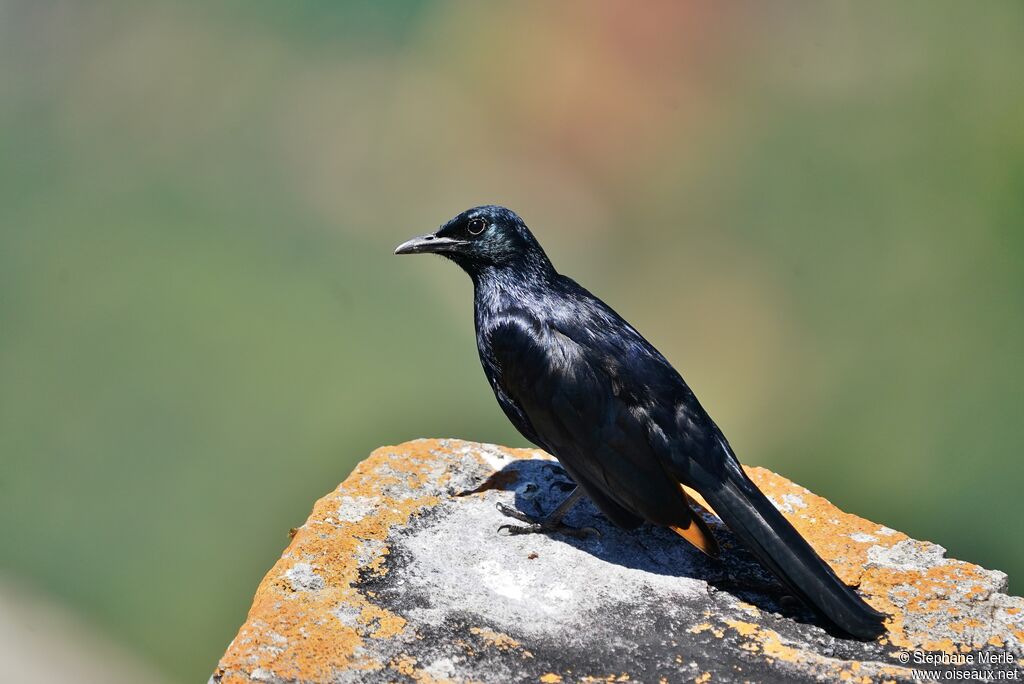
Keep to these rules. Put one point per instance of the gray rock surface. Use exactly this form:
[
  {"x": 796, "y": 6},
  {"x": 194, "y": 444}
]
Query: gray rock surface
[{"x": 400, "y": 575}]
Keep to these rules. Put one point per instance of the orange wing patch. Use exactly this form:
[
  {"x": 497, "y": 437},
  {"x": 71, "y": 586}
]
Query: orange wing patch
[
  {"x": 697, "y": 532},
  {"x": 699, "y": 535},
  {"x": 696, "y": 498}
]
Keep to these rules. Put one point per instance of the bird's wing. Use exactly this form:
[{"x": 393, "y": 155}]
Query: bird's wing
[
  {"x": 588, "y": 411},
  {"x": 626, "y": 426}
]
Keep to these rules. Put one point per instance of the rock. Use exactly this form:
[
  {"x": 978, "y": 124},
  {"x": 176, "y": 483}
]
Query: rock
[{"x": 399, "y": 575}]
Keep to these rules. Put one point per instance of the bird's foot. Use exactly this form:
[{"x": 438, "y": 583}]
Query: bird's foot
[{"x": 541, "y": 525}]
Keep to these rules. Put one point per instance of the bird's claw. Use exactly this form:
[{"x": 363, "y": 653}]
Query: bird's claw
[
  {"x": 510, "y": 512},
  {"x": 535, "y": 526}
]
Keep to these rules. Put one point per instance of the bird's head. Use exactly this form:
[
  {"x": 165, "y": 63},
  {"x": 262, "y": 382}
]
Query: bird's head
[{"x": 481, "y": 239}]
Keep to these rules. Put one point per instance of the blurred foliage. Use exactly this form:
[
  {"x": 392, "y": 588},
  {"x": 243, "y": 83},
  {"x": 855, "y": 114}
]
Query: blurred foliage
[{"x": 815, "y": 210}]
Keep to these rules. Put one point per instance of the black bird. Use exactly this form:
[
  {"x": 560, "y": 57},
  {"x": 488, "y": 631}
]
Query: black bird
[{"x": 581, "y": 383}]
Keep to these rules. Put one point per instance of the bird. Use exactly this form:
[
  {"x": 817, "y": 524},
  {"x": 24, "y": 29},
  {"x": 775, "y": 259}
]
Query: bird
[{"x": 581, "y": 383}]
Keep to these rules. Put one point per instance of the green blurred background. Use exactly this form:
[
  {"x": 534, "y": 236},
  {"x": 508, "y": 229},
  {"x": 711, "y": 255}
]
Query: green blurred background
[{"x": 815, "y": 210}]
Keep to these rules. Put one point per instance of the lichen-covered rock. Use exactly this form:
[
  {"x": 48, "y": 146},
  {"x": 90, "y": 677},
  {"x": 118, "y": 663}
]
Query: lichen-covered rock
[{"x": 400, "y": 575}]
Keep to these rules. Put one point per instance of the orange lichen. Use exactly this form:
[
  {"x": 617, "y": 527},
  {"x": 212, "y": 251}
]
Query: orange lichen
[
  {"x": 502, "y": 642},
  {"x": 297, "y": 633},
  {"x": 835, "y": 541},
  {"x": 706, "y": 627},
  {"x": 744, "y": 628},
  {"x": 404, "y": 665},
  {"x": 769, "y": 643},
  {"x": 551, "y": 678}
]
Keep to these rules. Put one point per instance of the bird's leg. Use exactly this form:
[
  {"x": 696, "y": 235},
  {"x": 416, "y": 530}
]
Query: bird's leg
[{"x": 550, "y": 523}]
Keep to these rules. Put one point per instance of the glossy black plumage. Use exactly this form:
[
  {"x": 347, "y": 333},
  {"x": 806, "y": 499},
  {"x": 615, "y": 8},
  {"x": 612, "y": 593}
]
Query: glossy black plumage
[{"x": 580, "y": 382}]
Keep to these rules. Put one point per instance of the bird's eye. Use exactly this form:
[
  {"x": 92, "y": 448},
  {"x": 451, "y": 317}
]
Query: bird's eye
[{"x": 476, "y": 226}]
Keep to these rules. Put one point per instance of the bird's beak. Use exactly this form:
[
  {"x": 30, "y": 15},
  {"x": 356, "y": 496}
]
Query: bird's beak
[{"x": 429, "y": 243}]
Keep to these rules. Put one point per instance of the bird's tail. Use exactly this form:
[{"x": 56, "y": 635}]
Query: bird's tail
[{"x": 772, "y": 539}]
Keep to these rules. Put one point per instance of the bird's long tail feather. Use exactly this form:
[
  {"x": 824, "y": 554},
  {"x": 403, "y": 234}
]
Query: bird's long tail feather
[{"x": 772, "y": 539}]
